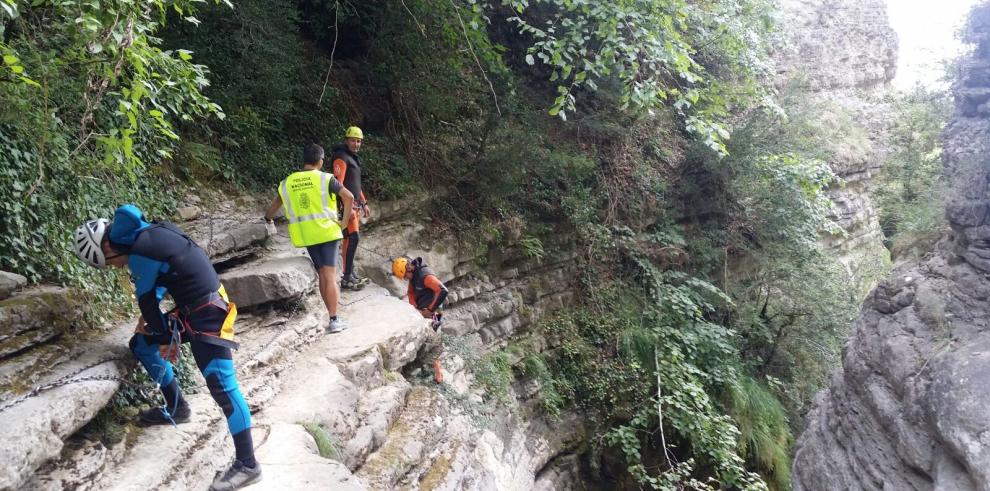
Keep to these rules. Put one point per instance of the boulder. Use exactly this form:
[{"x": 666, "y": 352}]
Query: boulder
[
  {"x": 9, "y": 283},
  {"x": 269, "y": 281},
  {"x": 189, "y": 212},
  {"x": 222, "y": 239},
  {"x": 33, "y": 430},
  {"x": 35, "y": 317}
]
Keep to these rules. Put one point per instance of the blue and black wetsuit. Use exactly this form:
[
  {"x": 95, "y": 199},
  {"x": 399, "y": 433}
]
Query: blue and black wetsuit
[{"x": 162, "y": 259}]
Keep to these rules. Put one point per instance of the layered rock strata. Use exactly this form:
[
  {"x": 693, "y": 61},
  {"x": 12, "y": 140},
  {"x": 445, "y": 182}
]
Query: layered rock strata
[
  {"x": 365, "y": 390},
  {"x": 908, "y": 409},
  {"x": 843, "y": 53}
]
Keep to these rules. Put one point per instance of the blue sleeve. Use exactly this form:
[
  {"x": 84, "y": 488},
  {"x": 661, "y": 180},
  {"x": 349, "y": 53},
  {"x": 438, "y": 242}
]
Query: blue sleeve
[{"x": 144, "y": 274}]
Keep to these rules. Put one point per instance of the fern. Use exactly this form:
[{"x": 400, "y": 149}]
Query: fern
[{"x": 765, "y": 435}]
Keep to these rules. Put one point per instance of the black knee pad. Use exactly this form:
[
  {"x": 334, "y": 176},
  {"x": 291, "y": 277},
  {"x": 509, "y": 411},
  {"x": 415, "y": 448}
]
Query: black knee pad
[{"x": 215, "y": 385}]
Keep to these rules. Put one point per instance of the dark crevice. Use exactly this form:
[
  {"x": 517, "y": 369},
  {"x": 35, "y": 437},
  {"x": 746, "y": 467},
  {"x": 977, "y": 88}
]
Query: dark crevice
[{"x": 235, "y": 261}]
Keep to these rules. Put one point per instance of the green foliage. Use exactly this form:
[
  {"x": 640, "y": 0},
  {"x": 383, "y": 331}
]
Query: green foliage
[
  {"x": 535, "y": 366},
  {"x": 911, "y": 196},
  {"x": 654, "y": 353},
  {"x": 324, "y": 440},
  {"x": 263, "y": 79},
  {"x": 532, "y": 247},
  {"x": 676, "y": 52},
  {"x": 98, "y": 66},
  {"x": 35, "y": 236},
  {"x": 762, "y": 422},
  {"x": 794, "y": 303},
  {"x": 493, "y": 374},
  {"x": 88, "y": 100}
]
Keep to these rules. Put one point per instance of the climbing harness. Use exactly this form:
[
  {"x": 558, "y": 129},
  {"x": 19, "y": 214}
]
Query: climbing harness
[{"x": 217, "y": 299}]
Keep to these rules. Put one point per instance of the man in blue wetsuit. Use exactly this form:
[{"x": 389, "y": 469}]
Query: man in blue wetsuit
[{"x": 162, "y": 259}]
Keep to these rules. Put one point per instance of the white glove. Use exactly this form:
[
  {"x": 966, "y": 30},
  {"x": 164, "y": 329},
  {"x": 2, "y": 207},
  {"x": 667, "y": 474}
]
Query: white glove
[{"x": 270, "y": 226}]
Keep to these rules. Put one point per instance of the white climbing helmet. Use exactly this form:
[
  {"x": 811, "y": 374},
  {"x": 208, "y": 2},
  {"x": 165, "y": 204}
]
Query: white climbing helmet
[{"x": 88, "y": 238}]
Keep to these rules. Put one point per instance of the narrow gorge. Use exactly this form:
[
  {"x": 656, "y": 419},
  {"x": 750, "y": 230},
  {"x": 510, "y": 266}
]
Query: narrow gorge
[
  {"x": 635, "y": 301},
  {"x": 907, "y": 409}
]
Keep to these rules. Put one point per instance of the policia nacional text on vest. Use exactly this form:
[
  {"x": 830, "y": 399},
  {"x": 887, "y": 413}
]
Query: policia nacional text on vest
[{"x": 310, "y": 208}]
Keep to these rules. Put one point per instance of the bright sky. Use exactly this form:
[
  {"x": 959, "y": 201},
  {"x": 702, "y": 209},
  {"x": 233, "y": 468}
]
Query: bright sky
[{"x": 927, "y": 30}]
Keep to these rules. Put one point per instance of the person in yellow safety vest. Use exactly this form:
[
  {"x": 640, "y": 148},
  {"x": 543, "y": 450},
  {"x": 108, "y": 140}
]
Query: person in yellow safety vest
[{"x": 310, "y": 200}]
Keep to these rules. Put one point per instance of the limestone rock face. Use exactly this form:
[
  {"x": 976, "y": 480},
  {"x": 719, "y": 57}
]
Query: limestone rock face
[
  {"x": 838, "y": 44},
  {"x": 268, "y": 281},
  {"x": 843, "y": 52},
  {"x": 294, "y": 463},
  {"x": 908, "y": 409},
  {"x": 226, "y": 238},
  {"x": 9, "y": 283},
  {"x": 33, "y": 429},
  {"x": 35, "y": 317}
]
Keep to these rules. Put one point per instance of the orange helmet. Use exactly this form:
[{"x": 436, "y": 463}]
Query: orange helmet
[{"x": 399, "y": 265}]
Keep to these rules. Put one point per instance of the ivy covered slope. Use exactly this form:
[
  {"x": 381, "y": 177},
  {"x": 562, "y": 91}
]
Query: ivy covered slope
[
  {"x": 646, "y": 135},
  {"x": 89, "y": 103}
]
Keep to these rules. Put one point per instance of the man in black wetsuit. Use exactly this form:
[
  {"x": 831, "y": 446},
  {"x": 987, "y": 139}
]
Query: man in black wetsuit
[
  {"x": 347, "y": 170},
  {"x": 161, "y": 260},
  {"x": 426, "y": 293}
]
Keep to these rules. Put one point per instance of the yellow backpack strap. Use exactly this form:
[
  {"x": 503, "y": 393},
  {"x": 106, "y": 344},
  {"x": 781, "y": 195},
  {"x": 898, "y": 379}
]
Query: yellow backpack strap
[{"x": 227, "y": 329}]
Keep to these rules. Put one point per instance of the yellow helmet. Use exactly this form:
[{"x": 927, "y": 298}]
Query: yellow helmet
[
  {"x": 354, "y": 132},
  {"x": 399, "y": 265}
]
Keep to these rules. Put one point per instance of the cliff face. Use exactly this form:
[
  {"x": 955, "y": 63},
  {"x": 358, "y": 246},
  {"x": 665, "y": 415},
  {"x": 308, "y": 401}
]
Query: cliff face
[
  {"x": 908, "y": 409},
  {"x": 843, "y": 53},
  {"x": 838, "y": 44}
]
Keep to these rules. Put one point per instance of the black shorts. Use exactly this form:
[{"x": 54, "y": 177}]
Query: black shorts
[{"x": 325, "y": 254}]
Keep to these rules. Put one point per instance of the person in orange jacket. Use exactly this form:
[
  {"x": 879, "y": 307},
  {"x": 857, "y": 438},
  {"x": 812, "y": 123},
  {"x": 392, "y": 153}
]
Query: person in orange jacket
[
  {"x": 347, "y": 170},
  {"x": 426, "y": 293}
]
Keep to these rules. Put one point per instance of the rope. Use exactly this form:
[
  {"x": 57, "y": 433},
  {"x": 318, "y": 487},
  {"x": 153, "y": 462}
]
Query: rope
[
  {"x": 174, "y": 348},
  {"x": 62, "y": 382},
  {"x": 385, "y": 256},
  {"x": 348, "y": 304}
]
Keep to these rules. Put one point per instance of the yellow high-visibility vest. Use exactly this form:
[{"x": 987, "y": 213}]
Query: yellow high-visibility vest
[{"x": 310, "y": 208}]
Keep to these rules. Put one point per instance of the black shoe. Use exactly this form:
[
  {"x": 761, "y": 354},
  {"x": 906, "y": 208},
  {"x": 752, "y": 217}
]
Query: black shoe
[
  {"x": 358, "y": 280},
  {"x": 348, "y": 284},
  {"x": 237, "y": 477},
  {"x": 157, "y": 416}
]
